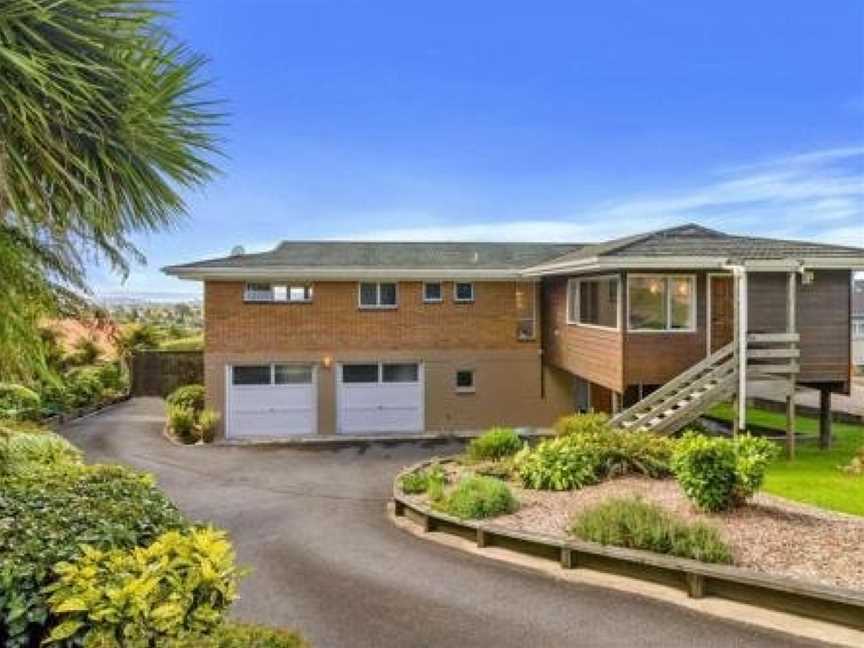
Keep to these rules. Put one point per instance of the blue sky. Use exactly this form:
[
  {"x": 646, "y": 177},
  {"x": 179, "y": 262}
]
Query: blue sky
[{"x": 522, "y": 121}]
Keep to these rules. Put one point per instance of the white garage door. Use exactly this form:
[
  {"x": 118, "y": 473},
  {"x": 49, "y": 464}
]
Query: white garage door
[
  {"x": 271, "y": 400},
  {"x": 380, "y": 397}
]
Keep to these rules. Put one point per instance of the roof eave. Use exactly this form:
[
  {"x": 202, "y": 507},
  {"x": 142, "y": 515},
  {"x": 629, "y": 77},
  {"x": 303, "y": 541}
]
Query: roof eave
[{"x": 596, "y": 264}]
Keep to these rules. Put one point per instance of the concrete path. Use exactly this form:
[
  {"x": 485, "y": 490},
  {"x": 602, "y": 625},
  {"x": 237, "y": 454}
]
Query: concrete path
[{"x": 313, "y": 526}]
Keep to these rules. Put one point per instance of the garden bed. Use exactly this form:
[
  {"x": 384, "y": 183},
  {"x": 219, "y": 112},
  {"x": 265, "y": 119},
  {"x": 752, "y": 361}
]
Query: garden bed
[{"x": 768, "y": 534}]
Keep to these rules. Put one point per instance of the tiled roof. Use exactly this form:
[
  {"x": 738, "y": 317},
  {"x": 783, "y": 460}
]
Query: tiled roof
[
  {"x": 396, "y": 255},
  {"x": 690, "y": 240}
]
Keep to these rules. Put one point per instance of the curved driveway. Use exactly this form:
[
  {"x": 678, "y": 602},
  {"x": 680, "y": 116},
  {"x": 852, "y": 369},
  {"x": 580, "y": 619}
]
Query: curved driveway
[{"x": 313, "y": 526}]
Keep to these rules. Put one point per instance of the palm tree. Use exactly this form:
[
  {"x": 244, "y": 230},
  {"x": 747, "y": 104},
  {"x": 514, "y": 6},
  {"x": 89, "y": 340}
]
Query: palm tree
[{"x": 101, "y": 127}]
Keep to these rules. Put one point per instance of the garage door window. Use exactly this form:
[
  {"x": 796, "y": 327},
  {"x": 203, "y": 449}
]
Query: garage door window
[
  {"x": 252, "y": 375},
  {"x": 400, "y": 373},
  {"x": 286, "y": 374},
  {"x": 360, "y": 373}
]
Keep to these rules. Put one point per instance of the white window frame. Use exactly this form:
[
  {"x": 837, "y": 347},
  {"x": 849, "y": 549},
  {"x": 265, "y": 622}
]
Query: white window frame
[
  {"x": 694, "y": 319},
  {"x": 433, "y": 283},
  {"x": 378, "y": 305},
  {"x": 456, "y": 298},
  {"x": 249, "y": 296},
  {"x": 577, "y": 282}
]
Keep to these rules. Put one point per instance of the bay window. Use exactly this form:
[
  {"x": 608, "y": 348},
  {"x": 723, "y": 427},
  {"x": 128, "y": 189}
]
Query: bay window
[
  {"x": 661, "y": 302},
  {"x": 593, "y": 301}
]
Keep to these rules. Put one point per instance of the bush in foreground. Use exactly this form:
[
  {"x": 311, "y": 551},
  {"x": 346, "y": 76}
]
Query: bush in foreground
[
  {"x": 478, "y": 497},
  {"x": 45, "y": 517},
  {"x": 495, "y": 444},
  {"x": 635, "y": 524},
  {"x": 178, "y": 586},
  {"x": 718, "y": 474}
]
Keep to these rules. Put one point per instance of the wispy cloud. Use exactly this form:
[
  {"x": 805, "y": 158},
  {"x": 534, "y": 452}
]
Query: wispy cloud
[{"x": 812, "y": 195}]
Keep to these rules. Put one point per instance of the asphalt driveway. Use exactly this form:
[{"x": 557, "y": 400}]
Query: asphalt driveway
[{"x": 313, "y": 526}]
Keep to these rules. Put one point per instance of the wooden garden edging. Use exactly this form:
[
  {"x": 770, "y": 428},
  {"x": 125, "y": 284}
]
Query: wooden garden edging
[{"x": 698, "y": 579}]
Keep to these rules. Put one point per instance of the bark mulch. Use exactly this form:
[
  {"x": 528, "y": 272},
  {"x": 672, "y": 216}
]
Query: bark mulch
[{"x": 769, "y": 534}]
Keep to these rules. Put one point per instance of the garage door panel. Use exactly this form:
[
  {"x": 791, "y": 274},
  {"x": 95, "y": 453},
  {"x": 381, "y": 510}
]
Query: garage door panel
[
  {"x": 272, "y": 410},
  {"x": 369, "y": 407}
]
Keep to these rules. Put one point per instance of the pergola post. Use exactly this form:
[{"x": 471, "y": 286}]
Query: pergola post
[{"x": 791, "y": 327}]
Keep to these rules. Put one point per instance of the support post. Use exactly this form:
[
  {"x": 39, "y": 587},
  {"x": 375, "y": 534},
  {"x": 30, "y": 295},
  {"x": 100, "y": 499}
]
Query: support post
[
  {"x": 482, "y": 538},
  {"x": 791, "y": 327},
  {"x": 824, "y": 418},
  {"x": 741, "y": 307},
  {"x": 568, "y": 558},
  {"x": 616, "y": 403}
]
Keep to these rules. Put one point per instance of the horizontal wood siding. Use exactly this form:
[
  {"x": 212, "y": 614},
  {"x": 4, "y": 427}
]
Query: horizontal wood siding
[
  {"x": 823, "y": 320},
  {"x": 591, "y": 353},
  {"x": 656, "y": 358}
]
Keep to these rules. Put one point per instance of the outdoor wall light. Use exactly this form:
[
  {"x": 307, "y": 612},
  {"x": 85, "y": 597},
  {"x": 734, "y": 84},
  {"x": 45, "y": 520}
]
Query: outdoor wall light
[{"x": 327, "y": 361}]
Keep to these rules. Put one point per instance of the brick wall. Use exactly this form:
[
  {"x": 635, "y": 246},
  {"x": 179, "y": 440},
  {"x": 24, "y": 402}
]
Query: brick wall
[{"x": 333, "y": 321}]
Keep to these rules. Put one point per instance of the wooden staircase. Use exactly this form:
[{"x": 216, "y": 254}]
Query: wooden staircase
[
  {"x": 714, "y": 379},
  {"x": 685, "y": 397}
]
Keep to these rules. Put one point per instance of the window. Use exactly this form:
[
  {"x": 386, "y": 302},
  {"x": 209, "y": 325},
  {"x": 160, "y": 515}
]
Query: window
[
  {"x": 463, "y": 292},
  {"x": 277, "y": 374},
  {"x": 377, "y": 295},
  {"x": 465, "y": 380},
  {"x": 593, "y": 301},
  {"x": 257, "y": 375},
  {"x": 432, "y": 292},
  {"x": 283, "y": 293},
  {"x": 400, "y": 373},
  {"x": 661, "y": 303},
  {"x": 286, "y": 374},
  {"x": 858, "y": 329},
  {"x": 360, "y": 373}
]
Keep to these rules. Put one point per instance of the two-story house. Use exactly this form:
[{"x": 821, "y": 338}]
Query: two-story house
[{"x": 366, "y": 337}]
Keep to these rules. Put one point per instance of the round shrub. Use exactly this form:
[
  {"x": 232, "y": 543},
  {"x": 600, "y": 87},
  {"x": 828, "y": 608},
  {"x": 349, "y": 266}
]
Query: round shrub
[
  {"x": 632, "y": 523},
  {"x": 112, "y": 378},
  {"x": 18, "y": 402},
  {"x": 178, "y": 586},
  {"x": 705, "y": 468},
  {"x": 188, "y": 396},
  {"x": 495, "y": 444},
  {"x": 717, "y": 474},
  {"x": 478, "y": 497}
]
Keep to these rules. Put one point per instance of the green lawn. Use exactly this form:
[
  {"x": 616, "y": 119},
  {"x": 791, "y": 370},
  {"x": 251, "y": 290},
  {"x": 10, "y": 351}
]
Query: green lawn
[{"x": 813, "y": 477}]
